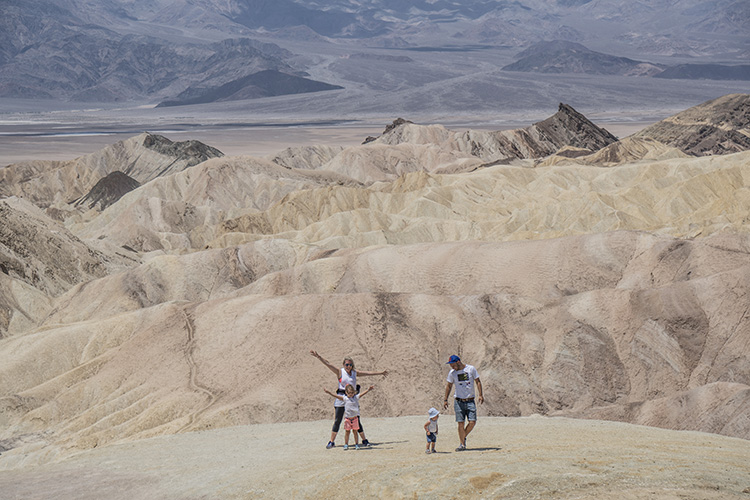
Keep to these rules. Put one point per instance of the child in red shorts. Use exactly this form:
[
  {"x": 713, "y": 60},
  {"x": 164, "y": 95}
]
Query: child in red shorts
[{"x": 351, "y": 412}]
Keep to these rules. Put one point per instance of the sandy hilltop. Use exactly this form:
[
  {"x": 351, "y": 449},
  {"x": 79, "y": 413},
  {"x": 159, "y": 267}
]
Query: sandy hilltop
[{"x": 159, "y": 300}]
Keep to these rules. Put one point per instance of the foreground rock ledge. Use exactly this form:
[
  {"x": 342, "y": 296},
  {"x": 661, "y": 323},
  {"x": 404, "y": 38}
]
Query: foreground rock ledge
[{"x": 531, "y": 457}]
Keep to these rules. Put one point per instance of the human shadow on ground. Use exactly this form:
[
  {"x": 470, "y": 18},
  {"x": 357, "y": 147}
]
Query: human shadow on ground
[{"x": 381, "y": 446}]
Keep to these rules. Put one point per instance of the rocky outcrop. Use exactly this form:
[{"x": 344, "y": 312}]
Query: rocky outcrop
[
  {"x": 567, "y": 127},
  {"x": 107, "y": 191},
  {"x": 143, "y": 157},
  {"x": 719, "y": 126},
  {"x": 627, "y": 150},
  {"x": 182, "y": 211},
  {"x": 305, "y": 157}
]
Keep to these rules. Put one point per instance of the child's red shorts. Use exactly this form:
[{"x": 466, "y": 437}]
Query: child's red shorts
[{"x": 351, "y": 424}]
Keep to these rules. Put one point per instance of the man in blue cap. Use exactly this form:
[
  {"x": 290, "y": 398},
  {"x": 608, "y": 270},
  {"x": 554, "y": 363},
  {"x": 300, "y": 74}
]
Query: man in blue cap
[{"x": 463, "y": 377}]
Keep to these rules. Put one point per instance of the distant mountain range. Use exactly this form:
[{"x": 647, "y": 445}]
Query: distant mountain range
[
  {"x": 134, "y": 50},
  {"x": 568, "y": 57},
  {"x": 560, "y": 56}
]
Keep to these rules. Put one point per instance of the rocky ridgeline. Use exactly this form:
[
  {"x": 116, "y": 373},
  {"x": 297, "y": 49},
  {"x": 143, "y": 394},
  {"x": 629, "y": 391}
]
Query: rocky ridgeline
[{"x": 567, "y": 127}]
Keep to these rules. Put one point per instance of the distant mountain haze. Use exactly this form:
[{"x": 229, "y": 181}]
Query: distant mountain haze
[{"x": 117, "y": 50}]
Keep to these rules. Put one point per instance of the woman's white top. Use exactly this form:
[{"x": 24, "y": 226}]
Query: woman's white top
[{"x": 344, "y": 380}]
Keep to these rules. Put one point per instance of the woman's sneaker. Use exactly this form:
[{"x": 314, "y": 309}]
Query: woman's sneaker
[
  {"x": 356, "y": 446},
  {"x": 330, "y": 445},
  {"x": 346, "y": 447},
  {"x": 461, "y": 447}
]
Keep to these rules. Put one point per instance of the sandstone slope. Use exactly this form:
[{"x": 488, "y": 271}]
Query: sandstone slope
[{"x": 602, "y": 325}]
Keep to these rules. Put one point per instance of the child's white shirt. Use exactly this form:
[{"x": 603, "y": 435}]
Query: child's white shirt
[
  {"x": 351, "y": 406},
  {"x": 433, "y": 427}
]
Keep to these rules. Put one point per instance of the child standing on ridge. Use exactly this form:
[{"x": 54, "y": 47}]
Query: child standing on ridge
[
  {"x": 431, "y": 428},
  {"x": 351, "y": 412}
]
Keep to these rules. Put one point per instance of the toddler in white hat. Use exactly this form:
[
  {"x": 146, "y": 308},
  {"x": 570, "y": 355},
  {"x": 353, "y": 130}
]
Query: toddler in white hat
[{"x": 431, "y": 428}]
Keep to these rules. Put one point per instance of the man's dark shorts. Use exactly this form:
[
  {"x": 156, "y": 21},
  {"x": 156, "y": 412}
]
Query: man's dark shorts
[{"x": 465, "y": 410}]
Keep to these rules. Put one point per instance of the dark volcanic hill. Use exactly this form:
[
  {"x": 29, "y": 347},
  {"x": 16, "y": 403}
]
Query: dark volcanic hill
[
  {"x": 266, "y": 83},
  {"x": 108, "y": 190},
  {"x": 559, "y": 56}
]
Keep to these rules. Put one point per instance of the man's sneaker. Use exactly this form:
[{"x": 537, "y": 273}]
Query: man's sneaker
[
  {"x": 346, "y": 447},
  {"x": 356, "y": 446},
  {"x": 330, "y": 445},
  {"x": 461, "y": 447},
  {"x": 434, "y": 451},
  {"x": 366, "y": 442},
  {"x": 427, "y": 451}
]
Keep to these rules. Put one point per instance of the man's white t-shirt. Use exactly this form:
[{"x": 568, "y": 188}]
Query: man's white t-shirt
[
  {"x": 344, "y": 380},
  {"x": 463, "y": 381},
  {"x": 351, "y": 406}
]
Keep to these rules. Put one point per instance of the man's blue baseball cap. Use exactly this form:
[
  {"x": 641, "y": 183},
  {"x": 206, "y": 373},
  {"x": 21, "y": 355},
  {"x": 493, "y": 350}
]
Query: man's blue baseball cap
[{"x": 453, "y": 359}]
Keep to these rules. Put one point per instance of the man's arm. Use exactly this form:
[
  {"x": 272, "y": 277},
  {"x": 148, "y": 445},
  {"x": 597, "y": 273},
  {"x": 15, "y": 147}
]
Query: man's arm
[
  {"x": 448, "y": 387},
  {"x": 480, "y": 398}
]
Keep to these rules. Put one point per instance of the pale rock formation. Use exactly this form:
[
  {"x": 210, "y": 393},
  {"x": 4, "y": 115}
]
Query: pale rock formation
[
  {"x": 681, "y": 196},
  {"x": 567, "y": 127},
  {"x": 44, "y": 254},
  {"x": 180, "y": 211},
  {"x": 305, "y": 157},
  {"x": 143, "y": 157},
  {"x": 22, "y": 307},
  {"x": 40, "y": 259},
  {"x": 627, "y": 150},
  {"x": 381, "y": 162}
]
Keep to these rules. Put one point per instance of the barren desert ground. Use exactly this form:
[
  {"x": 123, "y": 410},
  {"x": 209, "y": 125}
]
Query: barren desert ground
[{"x": 512, "y": 458}]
